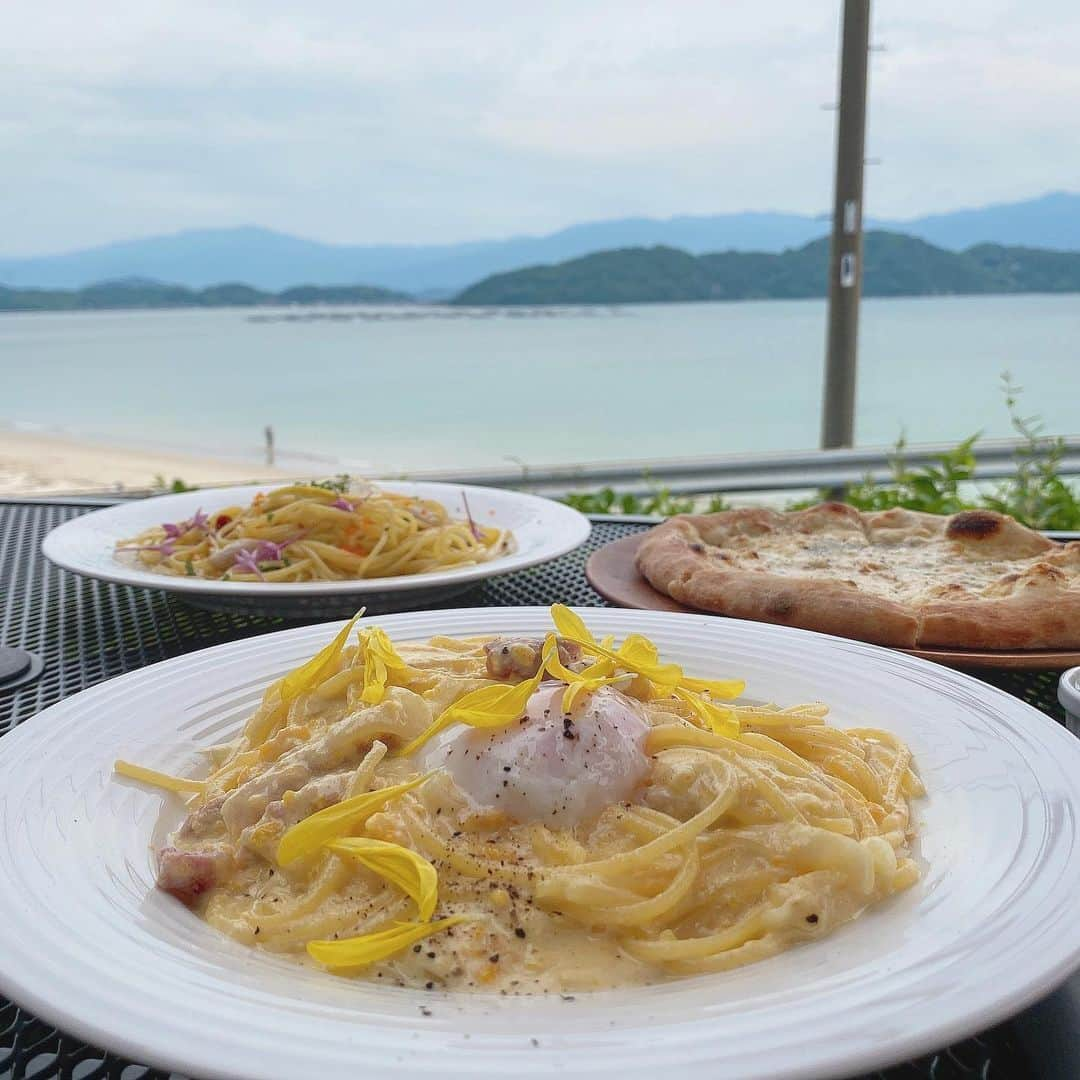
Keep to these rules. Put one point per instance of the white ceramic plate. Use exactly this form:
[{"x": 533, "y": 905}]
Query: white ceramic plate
[
  {"x": 543, "y": 530},
  {"x": 87, "y": 942}
]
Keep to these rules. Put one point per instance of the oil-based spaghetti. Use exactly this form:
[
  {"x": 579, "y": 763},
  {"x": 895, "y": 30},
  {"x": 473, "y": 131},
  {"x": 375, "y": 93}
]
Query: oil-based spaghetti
[
  {"x": 534, "y": 815},
  {"x": 319, "y": 532}
]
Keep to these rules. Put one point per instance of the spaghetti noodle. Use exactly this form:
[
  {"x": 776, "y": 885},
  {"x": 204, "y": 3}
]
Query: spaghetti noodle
[
  {"x": 421, "y": 815},
  {"x": 319, "y": 532}
]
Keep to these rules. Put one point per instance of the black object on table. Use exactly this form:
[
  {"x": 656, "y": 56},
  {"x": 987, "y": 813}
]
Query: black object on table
[{"x": 86, "y": 631}]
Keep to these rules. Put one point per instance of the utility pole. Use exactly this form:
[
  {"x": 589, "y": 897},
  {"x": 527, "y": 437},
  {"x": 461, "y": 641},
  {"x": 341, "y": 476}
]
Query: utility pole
[{"x": 845, "y": 258}]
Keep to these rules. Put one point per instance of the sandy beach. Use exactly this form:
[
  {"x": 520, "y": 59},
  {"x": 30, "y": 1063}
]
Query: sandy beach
[{"x": 33, "y": 464}]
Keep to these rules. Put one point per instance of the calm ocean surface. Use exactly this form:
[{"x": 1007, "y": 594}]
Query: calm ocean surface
[{"x": 439, "y": 387}]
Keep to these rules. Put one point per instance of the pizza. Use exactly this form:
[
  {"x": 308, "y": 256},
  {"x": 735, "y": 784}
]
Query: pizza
[{"x": 977, "y": 579}]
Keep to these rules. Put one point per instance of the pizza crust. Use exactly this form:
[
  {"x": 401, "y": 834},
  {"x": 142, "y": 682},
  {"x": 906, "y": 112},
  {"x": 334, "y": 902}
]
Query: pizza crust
[{"x": 977, "y": 579}]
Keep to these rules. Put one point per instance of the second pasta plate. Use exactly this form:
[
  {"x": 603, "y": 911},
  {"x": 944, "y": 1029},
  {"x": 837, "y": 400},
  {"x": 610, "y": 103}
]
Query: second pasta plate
[{"x": 537, "y": 530}]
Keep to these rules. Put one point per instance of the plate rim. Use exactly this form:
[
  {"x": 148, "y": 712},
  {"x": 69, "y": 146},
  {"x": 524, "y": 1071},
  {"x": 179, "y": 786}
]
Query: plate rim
[{"x": 894, "y": 1048}]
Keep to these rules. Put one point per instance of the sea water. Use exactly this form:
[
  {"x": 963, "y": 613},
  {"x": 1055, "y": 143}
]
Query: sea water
[{"x": 430, "y": 387}]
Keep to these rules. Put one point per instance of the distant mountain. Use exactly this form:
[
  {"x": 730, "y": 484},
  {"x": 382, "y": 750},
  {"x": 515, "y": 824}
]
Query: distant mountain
[
  {"x": 893, "y": 265},
  {"x": 141, "y": 293},
  {"x": 1051, "y": 221},
  {"x": 271, "y": 260}
]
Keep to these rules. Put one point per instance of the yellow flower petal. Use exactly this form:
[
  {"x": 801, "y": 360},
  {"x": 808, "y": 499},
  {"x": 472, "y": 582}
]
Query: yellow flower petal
[
  {"x": 600, "y": 669},
  {"x": 637, "y": 654},
  {"x": 714, "y": 717},
  {"x": 717, "y": 688},
  {"x": 578, "y": 683},
  {"x": 410, "y": 872},
  {"x": 310, "y": 834},
  {"x": 664, "y": 674},
  {"x": 158, "y": 779},
  {"x": 570, "y": 624},
  {"x": 318, "y": 667},
  {"x": 489, "y": 707},
  {"x": 639, "y": 648},
  {"x": 380, "y": 658},
  {"x": 727, "y": 689},
  {"x": 370, "y": 948},
  {"x": 584, "y": 686}
]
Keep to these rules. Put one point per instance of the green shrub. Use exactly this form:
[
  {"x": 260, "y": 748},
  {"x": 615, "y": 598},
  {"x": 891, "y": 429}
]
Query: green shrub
[
  {"x": 1036, "y": 494},
  {"x": 660, "y": 502}
]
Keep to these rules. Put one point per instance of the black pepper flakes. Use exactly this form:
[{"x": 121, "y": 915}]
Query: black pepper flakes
[
  {"x": 811, "y": 918},
  {"x": 519, "y": 931}
]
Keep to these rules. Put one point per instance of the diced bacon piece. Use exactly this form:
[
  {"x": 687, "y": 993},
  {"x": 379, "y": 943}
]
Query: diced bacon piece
[
  {"x": 203, "y": 821},
  {"x": 519, "y": 658},
  {"x": 188, "y": 874}
]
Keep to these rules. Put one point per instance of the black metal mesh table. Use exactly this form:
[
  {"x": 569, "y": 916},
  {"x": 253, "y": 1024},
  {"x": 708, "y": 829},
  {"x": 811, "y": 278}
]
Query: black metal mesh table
[{"x": 86, "y": 631}]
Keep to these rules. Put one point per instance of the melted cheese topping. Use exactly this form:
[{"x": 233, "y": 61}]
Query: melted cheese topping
[
  {"x": 693, "y": 849},
  {"x": 908, "y": 571}
]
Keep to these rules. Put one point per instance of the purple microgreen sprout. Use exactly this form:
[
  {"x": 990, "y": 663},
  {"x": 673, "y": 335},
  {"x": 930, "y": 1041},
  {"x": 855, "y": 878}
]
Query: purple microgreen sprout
[
  {"x": 473, "y": 527},
  {"x": 268, "y": 551},
  {"x": 341, "y": 503},
  {"x": 165, "y": 548},
  {"x": 247, "y": 559},
  {"x": 174, "y": 532},
  {"x": 247, "y": 563}
]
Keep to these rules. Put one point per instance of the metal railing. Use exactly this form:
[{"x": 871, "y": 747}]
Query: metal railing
[
  {"x": 731, "y": 473},
  {"x": 763, "y": 472}
]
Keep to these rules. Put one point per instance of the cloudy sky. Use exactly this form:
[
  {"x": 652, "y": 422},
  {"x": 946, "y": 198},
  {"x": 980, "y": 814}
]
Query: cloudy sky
[{"x": 355, "y": 121}]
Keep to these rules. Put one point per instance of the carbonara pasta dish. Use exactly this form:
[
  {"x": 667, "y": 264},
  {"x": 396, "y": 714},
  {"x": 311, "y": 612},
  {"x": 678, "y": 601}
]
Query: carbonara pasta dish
[
  {"x": 516, "y": 815},
  {"x": 319, "y": 532}
]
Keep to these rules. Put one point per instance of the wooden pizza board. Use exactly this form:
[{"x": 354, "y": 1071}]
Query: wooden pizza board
[{"x": 613, "y": 573}]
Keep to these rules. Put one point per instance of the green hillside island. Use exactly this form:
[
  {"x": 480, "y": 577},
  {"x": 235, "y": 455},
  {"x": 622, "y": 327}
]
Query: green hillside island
[
  {"x": 893, "y": 265},
  {"x": 137, "y": 293}
]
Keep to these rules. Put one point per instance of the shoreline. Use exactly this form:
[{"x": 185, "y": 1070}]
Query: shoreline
[{"x": 33, "y": 463}]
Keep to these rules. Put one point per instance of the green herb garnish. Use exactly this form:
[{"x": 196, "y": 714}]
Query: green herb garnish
[{"x": 339, "y": 484}]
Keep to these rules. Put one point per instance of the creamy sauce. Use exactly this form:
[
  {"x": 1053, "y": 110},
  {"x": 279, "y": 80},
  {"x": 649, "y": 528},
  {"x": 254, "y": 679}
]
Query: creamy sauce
[{"x": 558, "y": 848}]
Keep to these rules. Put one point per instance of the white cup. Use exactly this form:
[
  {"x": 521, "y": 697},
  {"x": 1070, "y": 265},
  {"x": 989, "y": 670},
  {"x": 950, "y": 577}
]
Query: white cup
[{"x": 1069, "y": 696}]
